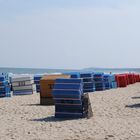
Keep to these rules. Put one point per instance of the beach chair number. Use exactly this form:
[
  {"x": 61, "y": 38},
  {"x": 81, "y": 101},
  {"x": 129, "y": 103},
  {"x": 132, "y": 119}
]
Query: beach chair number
[{"x": 22, "y": 83}]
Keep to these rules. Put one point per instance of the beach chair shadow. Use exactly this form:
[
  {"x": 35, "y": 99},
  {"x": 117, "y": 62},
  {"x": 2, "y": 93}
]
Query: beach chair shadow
[
  {"x": 37, "y": 105},
  {"x": 136, "y": 97},
  {"x": 53, "y": 119},
  {"x": 32, "y": 104},
  {"x": 133, "y": 106}
]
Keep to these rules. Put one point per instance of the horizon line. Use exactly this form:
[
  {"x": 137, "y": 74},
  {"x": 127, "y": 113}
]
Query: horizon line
[{"x": 71, "y": 68}]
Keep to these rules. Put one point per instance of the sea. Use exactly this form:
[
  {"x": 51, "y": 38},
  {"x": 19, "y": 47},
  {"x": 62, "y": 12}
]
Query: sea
[{"x": 41, "y": 71}]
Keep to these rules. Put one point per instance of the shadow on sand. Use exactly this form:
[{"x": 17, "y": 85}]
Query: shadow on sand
[
  {"x": 37, "y": 105},
  {"x": 53, "y": 119},
  {"x": 136, "y": 97},
  {"x": 133, "y": 106}
]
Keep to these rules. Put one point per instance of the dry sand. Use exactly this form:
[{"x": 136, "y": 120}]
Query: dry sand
[{"x": 116, "y": 115}]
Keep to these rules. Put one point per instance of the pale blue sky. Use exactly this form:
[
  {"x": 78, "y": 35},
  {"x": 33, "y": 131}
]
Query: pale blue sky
[{"x": 69, "y": 33}]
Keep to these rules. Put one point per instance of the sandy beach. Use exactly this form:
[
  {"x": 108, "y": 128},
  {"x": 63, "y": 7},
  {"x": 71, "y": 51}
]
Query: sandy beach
[{"x": 116, "y": 116}]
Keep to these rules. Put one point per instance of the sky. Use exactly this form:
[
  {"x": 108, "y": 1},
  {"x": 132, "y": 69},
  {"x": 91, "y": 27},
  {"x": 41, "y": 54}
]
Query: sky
[{"x": 70, "y": 34}]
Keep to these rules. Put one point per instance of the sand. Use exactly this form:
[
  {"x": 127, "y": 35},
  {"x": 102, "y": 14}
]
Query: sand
[{"x": 116, "y": 116}]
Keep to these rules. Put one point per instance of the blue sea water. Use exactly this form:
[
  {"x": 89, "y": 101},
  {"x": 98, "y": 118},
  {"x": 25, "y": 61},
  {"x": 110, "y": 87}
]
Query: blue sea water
[
  {"x": 39, "y": 71},
  {"x": 32, "y": 70}
]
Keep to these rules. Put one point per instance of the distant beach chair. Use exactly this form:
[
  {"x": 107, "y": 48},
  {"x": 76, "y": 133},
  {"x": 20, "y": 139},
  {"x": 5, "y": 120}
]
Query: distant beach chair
[
  {"x": 5, "y": 88},
  {"x": 23, "y": 85},
  {"x": 46, "y": 86}
]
